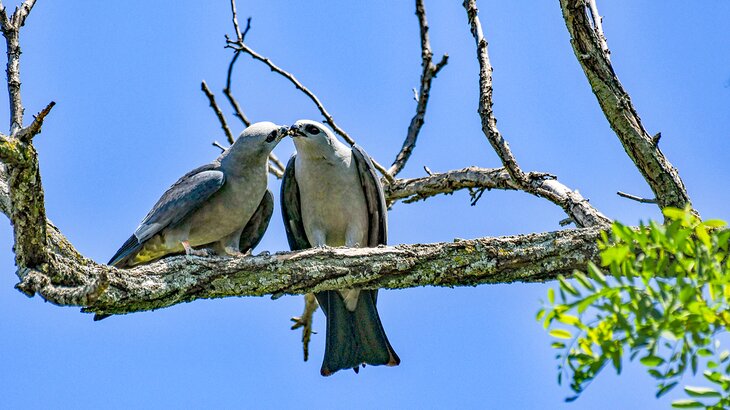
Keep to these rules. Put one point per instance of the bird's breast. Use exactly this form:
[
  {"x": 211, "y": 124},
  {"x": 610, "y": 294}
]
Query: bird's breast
[{"x": 332, "y": 201}]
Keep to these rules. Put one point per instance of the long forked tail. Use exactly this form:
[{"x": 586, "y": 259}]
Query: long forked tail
[{"x": 354, "y": 338}]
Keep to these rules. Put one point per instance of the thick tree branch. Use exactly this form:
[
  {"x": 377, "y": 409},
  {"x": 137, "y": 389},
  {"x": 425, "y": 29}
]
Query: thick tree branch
[
  {"x": 590, "y": 49},
  {"x": 598, "y": 28},
  {"x": 429, "y": 71},
  {"x": 527, "y": 258}
]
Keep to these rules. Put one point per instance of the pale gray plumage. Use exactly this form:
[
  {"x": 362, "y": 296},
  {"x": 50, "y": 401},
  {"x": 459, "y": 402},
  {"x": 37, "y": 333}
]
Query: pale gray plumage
[
  {"x": 223, "y": 206},
  {"x": 331, "y": 196}
]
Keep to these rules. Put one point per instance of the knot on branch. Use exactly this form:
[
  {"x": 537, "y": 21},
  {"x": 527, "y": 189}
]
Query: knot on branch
[{"x": 36, "y": 282}]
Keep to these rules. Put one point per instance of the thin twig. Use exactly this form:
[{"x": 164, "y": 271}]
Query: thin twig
[
  {"x": 239, "y": 36},
  {"x": 636, "y": 198},
  {"x": 227, "y": 91},
  {"x": 328, "y": 117},
  {"x": 489, "y": 122},
  {"x": 237, "y": 112},
  {"x": 429, "y": 72},
  {"x": 274, "y": 160},
  {"x": 218, "y": 145},
  {"x": 217, "y": 111},
  {"x": 273, "y": 170},
  {"x": 305, "y": 321},
  {"x": 11, "y": 30}
]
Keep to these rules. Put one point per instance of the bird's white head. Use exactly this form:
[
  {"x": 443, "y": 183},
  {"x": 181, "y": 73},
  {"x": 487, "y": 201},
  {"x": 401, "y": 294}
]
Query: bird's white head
[
  {"x": 255, "y": 143},
  {"x": 312, "y": 135}
]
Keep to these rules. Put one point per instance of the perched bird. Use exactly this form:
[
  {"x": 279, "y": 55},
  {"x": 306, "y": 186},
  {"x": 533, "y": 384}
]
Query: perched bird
[
  {"x": 223, "y": 207},
  {"x": 331, "y": 196}
]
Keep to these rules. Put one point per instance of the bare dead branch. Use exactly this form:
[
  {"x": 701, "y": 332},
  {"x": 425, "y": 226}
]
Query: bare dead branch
[
  {"x": 217, "y": 111},
  {"x": 237, "y": 112},
  {"x": 327, "y": 116},
  {"x": 234, "y": 16},
  {"x": 273, "y": 170},
  {"x": 417, "y": 189},
  {"x": 662, "y": 177},
  {"x": 636, "y": 198},
  {"x": 218, "y": 145},
  {"x": 11, "y": 31},
  {"x": 275, "y": 162},
  {"x": 429, "y": 71},
  {"x": 489, "y": 122},
  {"x": 306, "y": 321},
  {"x": 27, "y": 134}
]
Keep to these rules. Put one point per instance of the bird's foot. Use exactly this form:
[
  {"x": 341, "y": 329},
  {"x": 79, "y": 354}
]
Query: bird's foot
[
  {"x": 234, "y": 252},
  {"x": 189, "y": 251}
]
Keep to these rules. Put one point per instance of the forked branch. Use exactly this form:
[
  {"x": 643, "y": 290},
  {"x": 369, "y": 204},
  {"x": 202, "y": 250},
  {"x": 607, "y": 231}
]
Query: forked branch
[{"x": 428, "y": 73}]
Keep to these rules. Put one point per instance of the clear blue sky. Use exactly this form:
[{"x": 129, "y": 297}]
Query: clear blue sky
[{"x": 130, "y": 120}]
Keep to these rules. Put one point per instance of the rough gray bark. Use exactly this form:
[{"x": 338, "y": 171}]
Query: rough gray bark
[
  {"x": 590, "y": 47},
  {"x": 526, "y": 258},
  {"x": 578, "y": 208}
]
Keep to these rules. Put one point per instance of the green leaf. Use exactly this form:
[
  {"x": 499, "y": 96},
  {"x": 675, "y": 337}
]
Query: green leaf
[
  {"x": 664, "y": 389},
  {"x": 651, "y": 361},
  {"x": 569, "y": 320},
  {"x": 551, "y": 296},
  {"x": 596, "y": 274},
  {"x": 687, "y": 404},
  {"x": 565, "y": 285},
  {"x": 560, "y": 334},
  {"x": 673, "y": 213},
  {"x": 701, "y": 391},
  {"x": 714, "y": 223},
  {"x": 583, "y": 280}
]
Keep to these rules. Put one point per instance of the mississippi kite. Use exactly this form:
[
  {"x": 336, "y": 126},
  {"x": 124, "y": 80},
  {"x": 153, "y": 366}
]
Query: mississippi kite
[
  {"x": 223, "y": 206},
  {"x": 331, "y": 196}
]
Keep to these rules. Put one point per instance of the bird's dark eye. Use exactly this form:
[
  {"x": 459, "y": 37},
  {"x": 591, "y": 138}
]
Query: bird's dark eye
[
  {"x": 272, "y": 136},
  {"x": 311, "y": 129}
]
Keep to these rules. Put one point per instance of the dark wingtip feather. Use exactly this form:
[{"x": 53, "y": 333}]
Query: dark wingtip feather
[{"x": 128, "y": 249}]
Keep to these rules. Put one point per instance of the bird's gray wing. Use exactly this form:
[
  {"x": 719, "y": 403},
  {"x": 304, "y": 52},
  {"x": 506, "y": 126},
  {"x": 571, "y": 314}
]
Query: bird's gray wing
[
  {"x": 183, "y": 197},
  {"x": 256, "y": 226},
  {"x": 374, "y": 197},
  {"x": 291, "y": 209}
]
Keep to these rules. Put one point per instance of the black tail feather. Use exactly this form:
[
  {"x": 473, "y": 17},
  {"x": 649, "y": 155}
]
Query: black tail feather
[{"x": 354, "y": 338}]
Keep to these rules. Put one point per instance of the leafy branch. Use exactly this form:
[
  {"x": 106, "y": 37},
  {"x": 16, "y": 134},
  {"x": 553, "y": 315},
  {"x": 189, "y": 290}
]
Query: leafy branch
[{"x": 662, "y": 295}]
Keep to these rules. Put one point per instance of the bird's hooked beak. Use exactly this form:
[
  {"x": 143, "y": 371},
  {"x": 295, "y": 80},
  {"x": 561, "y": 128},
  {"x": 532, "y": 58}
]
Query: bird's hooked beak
[
  {"x": 277, "y": 134},
  {"x": 295, "y": 131}
]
